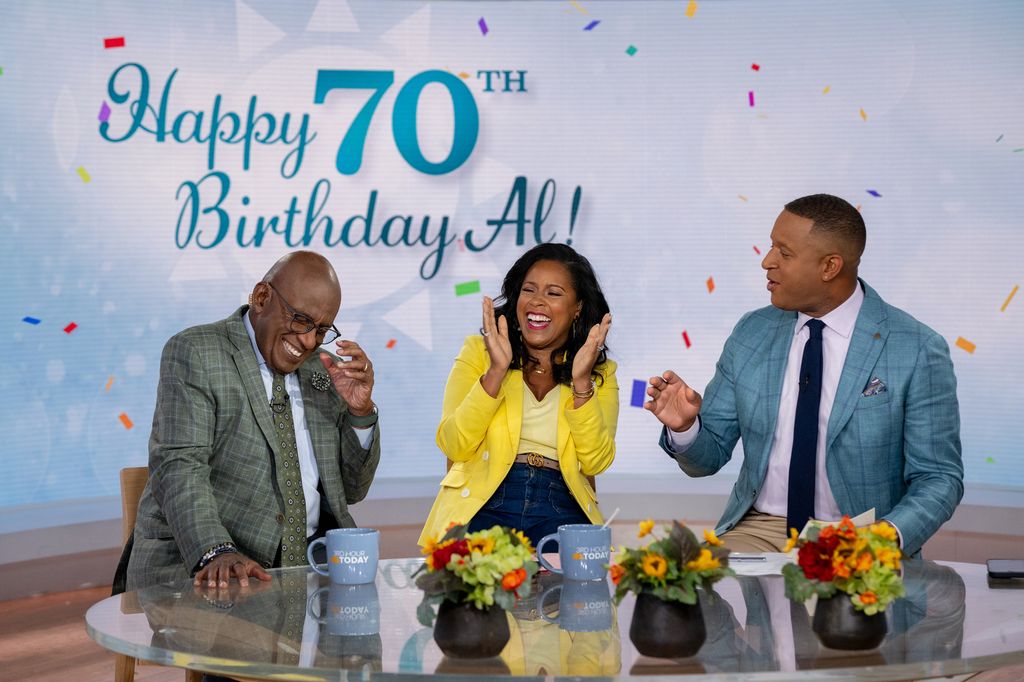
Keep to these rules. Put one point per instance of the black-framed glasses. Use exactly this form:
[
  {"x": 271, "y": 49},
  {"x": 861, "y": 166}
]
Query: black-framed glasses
[{"x": 303, "y": 324}]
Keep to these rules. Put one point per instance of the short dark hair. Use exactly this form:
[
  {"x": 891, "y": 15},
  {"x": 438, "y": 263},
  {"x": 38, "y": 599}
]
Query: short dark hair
[
  {"x": 833, "y": 216},
  {"x": 588, "y": 293}
]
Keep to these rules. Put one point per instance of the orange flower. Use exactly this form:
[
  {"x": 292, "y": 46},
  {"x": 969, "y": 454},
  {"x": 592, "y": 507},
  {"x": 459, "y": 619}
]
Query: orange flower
[
  {"x": 840, "y": 567},
  {"x": 617, "y": 572},
  {"x": 645, "y": 528},
  {"x": 864, "y": 561},
  {"x": 847, "y": 530},
  {"x": 868, "y": 598},
  {"x": 655, "y": 565},
  {"x": 711, "y": 538},
  {"x": 513, "y": 579}
]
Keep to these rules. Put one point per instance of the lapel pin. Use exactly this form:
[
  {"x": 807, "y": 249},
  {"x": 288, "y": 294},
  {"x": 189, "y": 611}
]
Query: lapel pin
[
  {"x": 320, "y": 381},
  {"x": 877, "y": 336}
]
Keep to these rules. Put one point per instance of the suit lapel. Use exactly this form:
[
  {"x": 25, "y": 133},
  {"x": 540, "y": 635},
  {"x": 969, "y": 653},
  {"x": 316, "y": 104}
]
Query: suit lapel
[
  {"x": 564, "y": 398},
  {"x": 869, "y": 336},
  {"x": 318, "y": 406},
  {"x": 774, "y": 372},
  {"x": 249, "y": 373}
]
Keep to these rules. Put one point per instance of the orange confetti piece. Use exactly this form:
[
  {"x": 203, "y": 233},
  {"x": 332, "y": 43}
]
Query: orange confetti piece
[
  {"x": 963, "y": 343},
  {"x": 863, "y": 114},
  {"x": 125, "y": 420},
  {"x": 391, "y": 343},
  {"x": 1009, "y": 298},
  {"x": 827, "y": 88},
  {"x": 463, "y": 75},
  {"x": 691, "y": 9},
  {"x": 110, "y": 382},
  {"x": 711, "y": 284}
]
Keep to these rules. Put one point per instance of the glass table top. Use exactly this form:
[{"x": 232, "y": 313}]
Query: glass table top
[{"x": 298, "y": 626}]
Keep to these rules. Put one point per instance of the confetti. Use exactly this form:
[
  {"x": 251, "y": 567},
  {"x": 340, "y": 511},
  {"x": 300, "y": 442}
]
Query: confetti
[
  {"x": 125, "y": 420},
  {"x": 104, "y": 113},
  {"x": 873, "y": 193},
  {"x": 84, "y": 174},
  {"x": 990, "y": 460},
  {"x": 863, "y": 114},
  {"x": 750, "y": 97},
  {"x": 1, "y": 70},
  {"x": 467, "y": 288},
  {"x": 631, "y": 50},
  {"x": 70, "y": 328},
  {"x": 998, "y": 139},
  {"x": 827, "y": 88},
  {"x": 578, "y": 6},
  {"x": 742, "y": 198},
  {"x": 858, "y": 208},
  {"x": 483, "y": 26},
  {"x": 391, "y": 343},
  {"x": 963, "y": 343},
  {"x": 463, "y": 75},
  {"x": 113, "y": 42},
  {"x": 711, "y": 284},
  {"x": 757, "y": 250},
  {"x": 755, "y": 67},
  {"x": 31, "y": 320},
  {"x": 1018, "y": 150},
  {"x": 691, "y": 9},
  {"x": 686, "y": 338},
  {"x": 639, "y": 391},
  {"x": 110, "y": 382},
  {"x": 1009, "y": 298},
  {"x": 592, "y": 25}
]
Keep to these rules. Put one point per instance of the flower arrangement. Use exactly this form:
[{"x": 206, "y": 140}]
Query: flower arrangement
[
  {"x": 861, "y": 562},
  {"x": 487, "y": 567},
  {"x": 672, "y": 567}
]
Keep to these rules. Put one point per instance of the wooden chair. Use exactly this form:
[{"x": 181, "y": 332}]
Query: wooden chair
[{"x": 133, "y": 482}]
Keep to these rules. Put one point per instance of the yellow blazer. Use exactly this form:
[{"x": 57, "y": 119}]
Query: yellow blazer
[{"x": 480, "y": 435}]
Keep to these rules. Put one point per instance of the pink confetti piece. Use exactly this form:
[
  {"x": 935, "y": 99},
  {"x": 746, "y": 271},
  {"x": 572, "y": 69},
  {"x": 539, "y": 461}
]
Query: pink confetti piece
[
  {"x": 104, "y": 113},
  {"x": 70, "y": 328},
  {"x": 686, "y": 338},
  {"x": 750, "y": 96},
  {"x": 109, "y": 43},
  {"x": 483, "y": 26},
  {"x": 757, "y": 250}
]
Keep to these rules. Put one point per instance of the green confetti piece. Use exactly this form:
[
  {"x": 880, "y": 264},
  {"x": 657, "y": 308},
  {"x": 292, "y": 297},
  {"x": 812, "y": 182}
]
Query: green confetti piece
[
  {"x": 631, "y": 50},
  {"x": 467, "y": 288},
  {"x": 84, "y": 174},
  {"x": 990, "y": 460}
]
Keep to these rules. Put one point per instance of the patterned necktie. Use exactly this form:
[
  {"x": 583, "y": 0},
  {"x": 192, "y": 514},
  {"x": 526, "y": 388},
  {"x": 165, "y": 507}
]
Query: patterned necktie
[
  {"x": 289, "y": 480},
  {"x": 800, "y": 505}
]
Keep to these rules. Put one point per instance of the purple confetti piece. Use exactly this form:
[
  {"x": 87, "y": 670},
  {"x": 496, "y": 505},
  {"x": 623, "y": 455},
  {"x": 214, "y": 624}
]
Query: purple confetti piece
[
  {"x": 591, "y": 25},
  {"x": 750, "y": 96},
  {"x": 639, "y": 391},
  {"x": 31, "y": 320},
  {"x": 483, "y": 26},
  {"x": 874, "y": 193},
  {"x": 104, "y": 112}
]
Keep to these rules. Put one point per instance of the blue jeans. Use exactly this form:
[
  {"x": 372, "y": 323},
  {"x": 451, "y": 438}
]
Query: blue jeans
[{"x": 531, "y": 499}]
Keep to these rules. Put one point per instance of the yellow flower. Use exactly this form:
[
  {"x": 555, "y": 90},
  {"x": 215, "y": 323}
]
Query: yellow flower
[
  {"x": 429, "y": 546},
  {"x": 711, "y": 538},
  {"x": 484, "y": 545},
  {"x": 655, "y": 565},
  {"x": 883, "y": 530},
  {"x": 523, "y": 539},
  {"x": 890, "y": 558},
  {"x": 645, "y": 528},
  {"x": 864, "y": 561},
  {"x": 791, "y": 542},
  {"x": 704, "y": 562}
]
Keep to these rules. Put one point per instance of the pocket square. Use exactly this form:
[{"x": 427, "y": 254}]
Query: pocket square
[{"x": 874, "y": 387}]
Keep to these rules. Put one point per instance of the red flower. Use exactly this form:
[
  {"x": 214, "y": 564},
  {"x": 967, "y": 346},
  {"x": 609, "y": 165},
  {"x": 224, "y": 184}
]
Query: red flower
[
  {"x": 815, "y": 558},
  {"x": 617, "y": 572},
  {"x": 513, "y": 579},
  {"x": 442, "y": 555}
]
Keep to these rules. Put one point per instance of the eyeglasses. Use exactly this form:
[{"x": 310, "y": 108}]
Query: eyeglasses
[{"x": 303, "y": 324}]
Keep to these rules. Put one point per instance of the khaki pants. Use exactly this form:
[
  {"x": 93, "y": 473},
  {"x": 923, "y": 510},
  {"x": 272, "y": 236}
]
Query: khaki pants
[{"x": 757, "y": 532}]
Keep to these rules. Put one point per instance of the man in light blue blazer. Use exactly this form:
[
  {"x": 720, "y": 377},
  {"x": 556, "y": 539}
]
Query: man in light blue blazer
[{"x": 843, "y": 402}]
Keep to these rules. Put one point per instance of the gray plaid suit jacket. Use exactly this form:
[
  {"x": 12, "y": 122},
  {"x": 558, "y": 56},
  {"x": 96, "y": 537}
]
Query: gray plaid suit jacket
[
  {"x": 212, "y": 454},
  {"x": 896, "y": 450}
]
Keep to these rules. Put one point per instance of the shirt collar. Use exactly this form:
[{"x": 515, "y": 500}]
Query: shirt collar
[
  {"x": 252, "y": 339},
  {"x": 843, "y": 319}
]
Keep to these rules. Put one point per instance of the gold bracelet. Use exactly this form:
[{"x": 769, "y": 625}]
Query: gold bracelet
[{"x": 585, "y": 394}]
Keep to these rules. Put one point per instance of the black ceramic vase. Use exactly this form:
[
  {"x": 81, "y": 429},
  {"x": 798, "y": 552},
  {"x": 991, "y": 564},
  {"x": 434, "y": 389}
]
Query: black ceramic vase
[
  {"x": 841, "y": 626},
  {"x": 464, "y": 631},
  {"x": 666, "y": 629}
]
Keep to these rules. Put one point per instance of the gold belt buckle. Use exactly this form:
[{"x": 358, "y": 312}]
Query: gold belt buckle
[{"x": 534, "y": 459}]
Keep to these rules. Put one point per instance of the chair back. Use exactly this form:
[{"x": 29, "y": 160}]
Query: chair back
[{"x": 133, "y": 482}]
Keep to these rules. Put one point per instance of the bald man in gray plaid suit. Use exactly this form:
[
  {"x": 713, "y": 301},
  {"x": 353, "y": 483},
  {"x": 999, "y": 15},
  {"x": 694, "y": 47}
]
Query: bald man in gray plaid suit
[{"x": 239, "y": 401}]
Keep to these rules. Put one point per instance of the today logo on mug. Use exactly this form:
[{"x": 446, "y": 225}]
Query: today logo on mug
[
  {"x": 583, "y": 550},
  {"x": 352, "y": 555}
]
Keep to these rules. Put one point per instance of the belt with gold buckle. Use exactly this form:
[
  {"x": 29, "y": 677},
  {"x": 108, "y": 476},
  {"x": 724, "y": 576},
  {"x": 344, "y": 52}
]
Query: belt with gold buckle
[{"x": 535, "y": 459}]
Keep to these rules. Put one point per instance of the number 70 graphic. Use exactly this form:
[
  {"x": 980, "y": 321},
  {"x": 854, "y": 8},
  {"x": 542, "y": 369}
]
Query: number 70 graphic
[{"x": 403, "y": 117}]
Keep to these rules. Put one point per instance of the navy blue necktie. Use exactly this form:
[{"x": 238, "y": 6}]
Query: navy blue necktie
[{"x": 800, "y": 505}]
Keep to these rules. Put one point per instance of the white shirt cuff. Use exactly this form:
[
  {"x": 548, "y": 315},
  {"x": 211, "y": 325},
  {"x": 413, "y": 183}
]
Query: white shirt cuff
[
  {"x": 365, "y": 435},
  {"x": 679, "y": 442}
]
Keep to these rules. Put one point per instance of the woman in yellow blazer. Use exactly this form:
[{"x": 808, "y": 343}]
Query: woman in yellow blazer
[{"x": 531, "y": 404}]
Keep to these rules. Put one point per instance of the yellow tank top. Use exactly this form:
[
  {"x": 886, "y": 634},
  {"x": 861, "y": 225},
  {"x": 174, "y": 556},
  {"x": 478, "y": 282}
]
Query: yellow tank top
[{"x": 540, "y": 423}]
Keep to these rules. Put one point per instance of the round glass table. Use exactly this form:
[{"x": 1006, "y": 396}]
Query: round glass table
[{"x": 298, "y": 626}]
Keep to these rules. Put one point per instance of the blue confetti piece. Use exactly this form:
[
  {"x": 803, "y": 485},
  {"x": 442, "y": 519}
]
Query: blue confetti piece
[
  {"x": 874, "y": 193},
  {"x": 639, "y": 391},
  {"x": 31, "y": 320},
  {"x": 591, "y": 25}
]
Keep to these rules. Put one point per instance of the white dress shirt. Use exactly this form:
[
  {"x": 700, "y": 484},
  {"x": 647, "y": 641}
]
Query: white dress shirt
[
  {"x": 774, "y": 495},
  {"x": 307, "y": 461}
]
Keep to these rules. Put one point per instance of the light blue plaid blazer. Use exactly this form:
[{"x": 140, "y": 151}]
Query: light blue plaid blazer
[{"x": 896, "y": 450}]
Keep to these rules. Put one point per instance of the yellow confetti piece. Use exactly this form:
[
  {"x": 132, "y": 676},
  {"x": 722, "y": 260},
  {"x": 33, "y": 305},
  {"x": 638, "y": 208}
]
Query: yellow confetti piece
[
  {"x": 578, "y": 6},
  {"x": 125, "y": 420},
  {"x": 1009, "y": 298},
  {"x": 742, "y": 198},
  {"x": 691, "y": 9},
  {"x": 110, "y": 382},
  {"x": 84, "y": 174},
  {"x": 863, "y": 114},
  {"x": 963, "y": 343},
  {"x": 711, "y": 284},
  {"x": 827, "y": 88}
]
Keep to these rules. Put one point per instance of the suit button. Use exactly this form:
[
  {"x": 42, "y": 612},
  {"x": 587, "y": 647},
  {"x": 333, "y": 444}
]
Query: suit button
[
  {"x": 280, "y": 519},
  {"x": 465, "y": 492},
  {"x": 588, "y": 506},
  {"x": 487, "y": 456},
  {"x": 266, "y": 564}
]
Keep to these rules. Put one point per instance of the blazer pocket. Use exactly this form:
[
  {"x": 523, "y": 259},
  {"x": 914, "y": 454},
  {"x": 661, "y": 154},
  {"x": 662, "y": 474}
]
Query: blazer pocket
[{"x": 455, "y": 478}]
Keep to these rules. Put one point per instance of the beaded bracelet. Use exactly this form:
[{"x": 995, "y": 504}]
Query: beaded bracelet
[
  {"x": 584, "y": 394},
  {"x": 216, "y": 550}
]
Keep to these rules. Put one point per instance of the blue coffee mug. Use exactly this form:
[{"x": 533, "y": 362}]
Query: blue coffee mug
[
  {"x": 352, "y": 555},
  {"x": 582, "y": 606},
  {"x": 583, "y": 548},
  {"x": 351, "y": 609}
]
